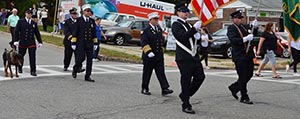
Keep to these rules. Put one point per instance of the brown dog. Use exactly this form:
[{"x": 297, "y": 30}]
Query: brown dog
[{"x": 11, "y": 58}]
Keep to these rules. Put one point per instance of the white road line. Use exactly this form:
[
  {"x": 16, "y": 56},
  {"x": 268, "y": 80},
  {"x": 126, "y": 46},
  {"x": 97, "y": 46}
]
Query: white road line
[
  {"x": 135, "y": 66},
  {"x": 102, "y": 69},
  {"x": 115, "y": 67},
  {"x": 48, "y": 70}
]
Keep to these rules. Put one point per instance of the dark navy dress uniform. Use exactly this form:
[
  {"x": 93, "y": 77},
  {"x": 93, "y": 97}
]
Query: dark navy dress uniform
[
  {"x": 243, "y": 61},
  {"x": 69, "y": 27},
  {"x": 24, "y": 33},
  {"x": 152, "y": 41},
  {"x": 84, "y": 36},
  {"x": 191, "y": 70}
]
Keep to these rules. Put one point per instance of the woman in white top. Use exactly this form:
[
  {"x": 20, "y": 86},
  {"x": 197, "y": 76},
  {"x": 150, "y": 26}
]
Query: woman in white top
[
  {"x": 294, "y": 49},
  {"x": 205, "y": 40},
  {"x": 44, "y": 16}
]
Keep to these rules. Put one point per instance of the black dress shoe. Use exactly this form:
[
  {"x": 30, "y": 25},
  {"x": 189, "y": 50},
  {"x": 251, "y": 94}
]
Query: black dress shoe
[
  {"x": 80, "y": 70},
  {"x": 188, "y": 110},
  {"x": 246, "y": 101},
  {"x": 33, "y": 74},
  {"x": 65, "y": 69},
  {"x": 20, "y": 71},
  {"x": 145, "y": 92},
  {"x": 166, "y": 92},
  {"x": 233, "y": 92},
  {"x": 74, "y": 74},
  {"x": 89, "y": 79}
]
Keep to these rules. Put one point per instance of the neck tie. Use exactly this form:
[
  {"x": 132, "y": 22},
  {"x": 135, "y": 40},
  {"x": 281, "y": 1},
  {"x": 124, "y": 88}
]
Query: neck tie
[{"x": 87, "y": 20}]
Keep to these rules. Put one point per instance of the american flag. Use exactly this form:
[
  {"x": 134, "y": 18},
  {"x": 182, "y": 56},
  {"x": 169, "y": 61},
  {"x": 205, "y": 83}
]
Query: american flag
[{"x": 209, "y": 8}]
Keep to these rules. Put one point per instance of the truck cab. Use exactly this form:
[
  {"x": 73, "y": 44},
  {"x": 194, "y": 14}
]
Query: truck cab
[{"x": 112, "y": 18}]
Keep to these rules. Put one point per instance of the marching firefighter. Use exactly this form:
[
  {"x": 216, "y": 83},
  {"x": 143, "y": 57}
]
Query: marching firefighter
[
  {"x": 239, "y": 37},
  {"x": 25, "y": 31},
  {"x": 84, "y": 42},
  {"x": 153, "y": 57},
  {"x": 187, "y": 57}
]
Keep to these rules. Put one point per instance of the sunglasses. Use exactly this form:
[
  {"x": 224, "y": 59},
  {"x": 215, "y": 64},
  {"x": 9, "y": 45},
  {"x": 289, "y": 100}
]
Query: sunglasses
[
  {"x": 88, "y": 10},
  {"x": 185, "y": 10}
]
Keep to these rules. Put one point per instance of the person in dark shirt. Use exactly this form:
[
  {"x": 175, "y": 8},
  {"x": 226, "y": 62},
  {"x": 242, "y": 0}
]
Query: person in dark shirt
[{"x": 268, "y": 44}]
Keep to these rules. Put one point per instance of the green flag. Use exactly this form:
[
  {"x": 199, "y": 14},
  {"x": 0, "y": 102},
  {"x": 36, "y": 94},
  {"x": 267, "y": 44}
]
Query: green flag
[{"x": 291, "y": 17}]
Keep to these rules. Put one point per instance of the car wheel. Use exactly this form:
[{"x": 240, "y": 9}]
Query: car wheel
[
  {"x": 227, "y": 53},
  {"x": 119, "y": 40},
  {"x": 285, "y": 53}
]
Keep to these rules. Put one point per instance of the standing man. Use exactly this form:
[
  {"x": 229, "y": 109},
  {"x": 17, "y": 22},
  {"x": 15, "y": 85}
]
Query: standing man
[
  {"x": 84, "y": 42},
  {"x": 25, "y": 31},
  {"x": 12, "y": 23},
  {"x": 68, "y": 30},
  {"x": 239, "y": 37},
  {"x": 187, "y": 57},
  {"x": 153, "y": 57}
]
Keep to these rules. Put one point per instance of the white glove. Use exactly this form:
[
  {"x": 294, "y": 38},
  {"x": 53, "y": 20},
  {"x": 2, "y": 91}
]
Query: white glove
[
  {"x": 197, "y": 36},
  {"x": 40, "y": 45},
  {"x": 198, "y": 24},
  {"x": 255, "y": 23},
  {"x": 16, "y": 43},
  {"x": 73, "y": 47},
  {"x": 95, "y": 47},
  {"x": 248, "y": 38},
  {"x": 151, "y": 54}
]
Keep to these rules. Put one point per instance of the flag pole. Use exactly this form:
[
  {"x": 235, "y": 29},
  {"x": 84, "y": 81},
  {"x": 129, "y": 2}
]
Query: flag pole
[
  {"x": 200, "y": 15},
  {"x": 252, "y": 29},
  {"x": 55, "y": 13}
]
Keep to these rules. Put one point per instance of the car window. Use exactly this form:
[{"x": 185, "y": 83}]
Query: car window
[
  {"x": 137, "y": 25},
  {"x": 131, "y": 17},
  {"x": 109, "y": 16},
  {"x": 124, "y": 23},
  {"x": 221, "y": 32},
  {"x": 145, "y": 24},
  {"x": 121, "y": 18}
]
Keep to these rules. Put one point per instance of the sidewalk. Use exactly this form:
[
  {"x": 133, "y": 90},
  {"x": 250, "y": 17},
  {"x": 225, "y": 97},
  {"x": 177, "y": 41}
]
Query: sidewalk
[{"x": 213, "y": 61}]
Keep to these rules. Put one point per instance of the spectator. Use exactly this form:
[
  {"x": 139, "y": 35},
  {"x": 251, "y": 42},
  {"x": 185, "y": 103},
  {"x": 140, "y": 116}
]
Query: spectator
[
  {"x": 99, "y": 32},
  {"x": 34, "y": 13},
  {"x": 294, "y": 50},
  {"x": 205, "y": 41},
  {"x": 12, "y": 23},
  {"x": 268, "y": 44},
  {"x": 44, "y": 17},
  {"x": 61, "y": 19},
  {"x": 3, "y": 16}
]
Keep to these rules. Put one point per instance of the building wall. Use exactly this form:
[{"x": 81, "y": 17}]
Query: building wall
[{"x": 220, "y": 23}]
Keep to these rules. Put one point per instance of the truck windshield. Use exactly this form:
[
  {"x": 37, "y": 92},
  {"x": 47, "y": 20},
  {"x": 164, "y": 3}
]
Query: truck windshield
[
  {"x": 110, "y": 16},
  {"x": 124, "y": 23}
]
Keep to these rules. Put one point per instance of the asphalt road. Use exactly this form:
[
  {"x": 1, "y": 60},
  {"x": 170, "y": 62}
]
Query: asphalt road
[{"x": 54, "y": 94}]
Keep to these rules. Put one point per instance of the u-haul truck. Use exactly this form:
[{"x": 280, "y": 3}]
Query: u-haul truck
[{"x": 114, "y": 11}]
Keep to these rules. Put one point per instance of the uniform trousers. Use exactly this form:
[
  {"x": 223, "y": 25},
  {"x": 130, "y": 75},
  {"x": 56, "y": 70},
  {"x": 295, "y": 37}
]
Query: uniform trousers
[
  {"x": 68, "y": 54},
  {"x": 192, "y": 76},
  {"x": 32, "y": 56},
  {"x": 84, "y": 50},
  {"x": 158, "y": 66},
  {"x": 244, "y": 69}
]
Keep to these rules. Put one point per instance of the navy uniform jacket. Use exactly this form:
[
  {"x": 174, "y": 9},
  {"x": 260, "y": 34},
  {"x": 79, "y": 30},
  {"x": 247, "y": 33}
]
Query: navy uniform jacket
[
  {"x": 237, "y": 44},
  {"x": 69, "y": 27},
  {"x": 183, "y": 37},
  {"x": 84, "y": 32},
  {"x": 24, "y": 33},
  {"x": 152, "y": 41}
]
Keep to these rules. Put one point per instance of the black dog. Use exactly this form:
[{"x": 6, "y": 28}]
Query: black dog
[{"x": 11, "y": 58}]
